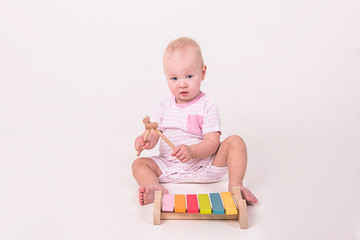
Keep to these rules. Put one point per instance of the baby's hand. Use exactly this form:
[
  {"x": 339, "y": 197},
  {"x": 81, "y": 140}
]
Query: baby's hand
[
  {"x": 140, "y": 144},
  {"x": 183, "y": 152}
]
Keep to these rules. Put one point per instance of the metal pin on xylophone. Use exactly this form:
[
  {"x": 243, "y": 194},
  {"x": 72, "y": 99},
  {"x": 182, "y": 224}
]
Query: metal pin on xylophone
[{"x": 222, "y": 207}]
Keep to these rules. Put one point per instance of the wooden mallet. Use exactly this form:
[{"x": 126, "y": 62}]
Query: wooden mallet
[{"x": 153, "y": 126}]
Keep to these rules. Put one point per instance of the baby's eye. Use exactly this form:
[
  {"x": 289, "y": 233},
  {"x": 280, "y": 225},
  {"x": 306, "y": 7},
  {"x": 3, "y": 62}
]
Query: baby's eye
[
  {"x": 189, "y": 76},
  {"x": 173, "y": 78}
]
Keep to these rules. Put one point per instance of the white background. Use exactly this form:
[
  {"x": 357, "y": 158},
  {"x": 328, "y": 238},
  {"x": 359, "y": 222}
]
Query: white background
[{"x": 77, "y": 77}]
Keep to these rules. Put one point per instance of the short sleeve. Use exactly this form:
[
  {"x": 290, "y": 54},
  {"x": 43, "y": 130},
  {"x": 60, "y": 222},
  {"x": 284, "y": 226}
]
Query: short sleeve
[
  {"x": 158, "y": 112},
  {"x": 156, "y": 115},
  {"x": 212, "y": 121}
]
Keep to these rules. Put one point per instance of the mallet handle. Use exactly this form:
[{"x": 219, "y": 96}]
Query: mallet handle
[
  {"x": 145, "y": 139},
  {"x": 165, "y": 139}
]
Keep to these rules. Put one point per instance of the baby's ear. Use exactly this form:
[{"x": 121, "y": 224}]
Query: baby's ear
[{"x": 203, "y": 72}]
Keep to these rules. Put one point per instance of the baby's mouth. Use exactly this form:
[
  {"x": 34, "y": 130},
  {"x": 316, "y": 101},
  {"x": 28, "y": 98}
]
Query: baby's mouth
[{"x": 184, "y": 93}]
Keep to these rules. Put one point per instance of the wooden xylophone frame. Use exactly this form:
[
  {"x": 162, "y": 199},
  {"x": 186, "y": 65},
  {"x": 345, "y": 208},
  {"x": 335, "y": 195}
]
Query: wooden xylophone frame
[{"x": 241, "y": 216}]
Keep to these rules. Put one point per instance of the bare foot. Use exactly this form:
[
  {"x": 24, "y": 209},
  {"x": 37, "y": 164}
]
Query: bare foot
[
  {"x": 246, "y": 194},
  {"x": 147, "y": 193}
]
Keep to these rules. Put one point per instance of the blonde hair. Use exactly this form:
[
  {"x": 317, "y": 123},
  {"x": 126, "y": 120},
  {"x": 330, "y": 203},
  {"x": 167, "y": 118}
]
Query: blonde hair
[{"x": 182, "y": 44}]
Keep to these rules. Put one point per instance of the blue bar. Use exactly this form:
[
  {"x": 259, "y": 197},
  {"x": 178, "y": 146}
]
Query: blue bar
[{"x": 216, "y": 202}]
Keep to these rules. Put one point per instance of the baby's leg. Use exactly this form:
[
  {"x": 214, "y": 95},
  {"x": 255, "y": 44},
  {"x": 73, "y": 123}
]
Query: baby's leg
[
  {"x": 232, "y": 153},
  {"x": 146, "y": 173}
]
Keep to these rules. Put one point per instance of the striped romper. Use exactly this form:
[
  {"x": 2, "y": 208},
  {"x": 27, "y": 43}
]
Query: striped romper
[{"x": 186, "y": 124}]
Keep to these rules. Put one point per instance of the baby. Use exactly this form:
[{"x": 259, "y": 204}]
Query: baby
[{"x": 190, "y": 120}]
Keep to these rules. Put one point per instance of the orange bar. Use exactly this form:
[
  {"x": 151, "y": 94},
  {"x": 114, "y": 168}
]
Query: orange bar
[
  {"x": 180, "y": 203},
  {"x": 229, "y": 203}
]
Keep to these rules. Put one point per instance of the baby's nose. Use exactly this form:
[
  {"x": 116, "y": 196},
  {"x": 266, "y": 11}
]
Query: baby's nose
[{"x": 183, "y": 83}]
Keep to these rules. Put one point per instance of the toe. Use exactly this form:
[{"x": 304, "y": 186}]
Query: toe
[
  {"x": 251, "y": 198},
  {"x": 142, "y": 189},
  {"x": 248, "y": 197}
]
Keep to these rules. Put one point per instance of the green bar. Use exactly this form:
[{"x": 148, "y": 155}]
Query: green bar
[{"x": 204, "y": 203}]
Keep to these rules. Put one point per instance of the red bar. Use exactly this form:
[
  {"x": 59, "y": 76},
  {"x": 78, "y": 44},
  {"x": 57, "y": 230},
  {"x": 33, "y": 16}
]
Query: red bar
[{"x": 192, "y": 203}]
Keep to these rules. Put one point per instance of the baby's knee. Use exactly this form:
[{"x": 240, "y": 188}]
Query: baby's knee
[
  {"x": 138, "y": 163},
  {"x": 235, "y": 141}
]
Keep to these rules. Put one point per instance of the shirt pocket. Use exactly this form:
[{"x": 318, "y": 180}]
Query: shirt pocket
[{"x": 194, "y": 124}]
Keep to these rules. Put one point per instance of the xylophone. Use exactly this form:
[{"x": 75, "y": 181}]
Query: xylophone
[{"x": 198, "y": 207}]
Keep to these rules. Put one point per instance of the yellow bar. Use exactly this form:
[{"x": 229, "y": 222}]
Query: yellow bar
[
  {"x": 205, "y": 207},
  {"x": 180, "y": 203},
  {"x": 229, "y": 203}
]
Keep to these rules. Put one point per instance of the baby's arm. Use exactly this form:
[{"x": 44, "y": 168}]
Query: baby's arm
[
  {"x": 207, "y": 147},
  {"x": 151, "y": 142}
]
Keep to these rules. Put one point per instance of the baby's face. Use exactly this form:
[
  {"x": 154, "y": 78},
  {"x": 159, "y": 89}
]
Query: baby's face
[{"x": 184, "y": 72}]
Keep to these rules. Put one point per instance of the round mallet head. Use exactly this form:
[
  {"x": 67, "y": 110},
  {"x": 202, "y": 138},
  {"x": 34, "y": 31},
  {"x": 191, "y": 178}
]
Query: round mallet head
[{"x": 146, "y": 120}]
